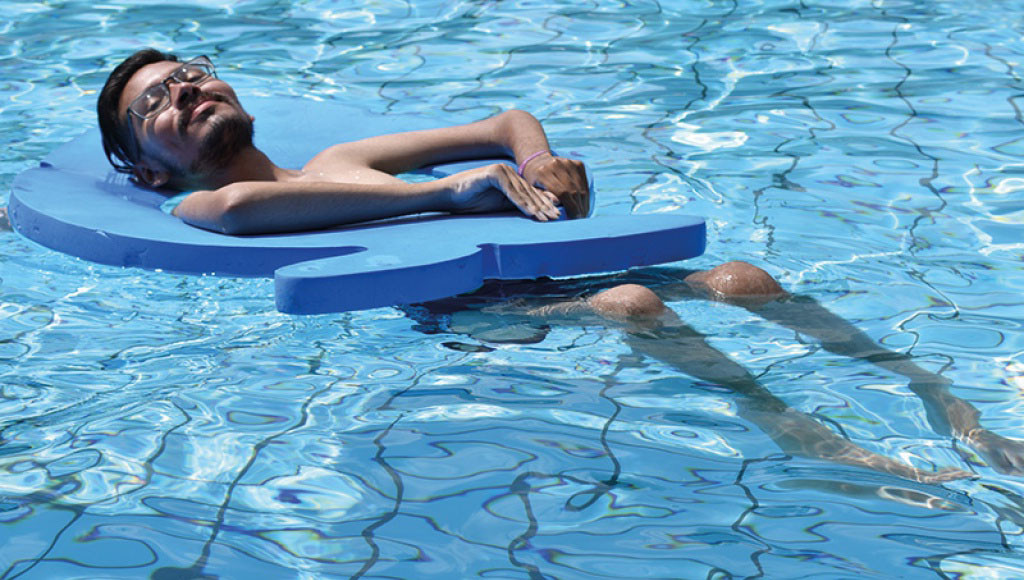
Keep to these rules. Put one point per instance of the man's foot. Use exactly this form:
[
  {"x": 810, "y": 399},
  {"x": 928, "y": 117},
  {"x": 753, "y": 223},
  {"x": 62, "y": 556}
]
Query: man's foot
[
  {"x": 950, "y": 413},
  {"x": 861, "y": 457},
  {"x": 799, "y": 434},
  {"x": 1005, "y": 455}
]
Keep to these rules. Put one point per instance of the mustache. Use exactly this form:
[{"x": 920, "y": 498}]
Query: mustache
[{"x": 186, "y": 115}]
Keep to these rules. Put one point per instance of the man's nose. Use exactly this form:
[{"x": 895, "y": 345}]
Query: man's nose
[{"x": 183, "y": 93}]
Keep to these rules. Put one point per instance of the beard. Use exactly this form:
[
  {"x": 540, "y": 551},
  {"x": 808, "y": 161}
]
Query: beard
[{"x": 224, "y": 139}]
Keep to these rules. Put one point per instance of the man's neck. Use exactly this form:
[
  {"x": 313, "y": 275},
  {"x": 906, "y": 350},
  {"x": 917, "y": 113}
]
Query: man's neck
[{"x": 250, "y": 164}]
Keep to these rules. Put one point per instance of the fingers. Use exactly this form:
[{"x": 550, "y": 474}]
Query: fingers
[
  {"x": 567, "y": 179},
  {"x": 533, "y": 202},
  {"x": 576, "y": 205},
  {"x": 536, "y": 203}
]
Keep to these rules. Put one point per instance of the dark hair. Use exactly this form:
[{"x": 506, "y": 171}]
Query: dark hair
[{"x": 112, "y": 127}]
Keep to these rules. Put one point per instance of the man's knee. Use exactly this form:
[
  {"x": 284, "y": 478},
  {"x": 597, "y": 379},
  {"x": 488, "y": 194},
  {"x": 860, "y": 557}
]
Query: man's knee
[
  {"x": 737, "y": 280},
  {"x": 628, "y": 301}
]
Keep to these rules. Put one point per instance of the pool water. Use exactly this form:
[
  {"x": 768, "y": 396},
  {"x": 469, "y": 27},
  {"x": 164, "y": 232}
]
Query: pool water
[{"x": 869, "y": 155}]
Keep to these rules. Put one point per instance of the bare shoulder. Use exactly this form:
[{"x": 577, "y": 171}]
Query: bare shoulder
[
  {"x": 344, "y": 163},
  {"x": 339, "y": 154},
  {"x": 340, "y": 157}
]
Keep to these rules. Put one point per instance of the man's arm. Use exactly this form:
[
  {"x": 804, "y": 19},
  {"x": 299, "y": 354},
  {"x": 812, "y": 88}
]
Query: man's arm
[
  {"x": 261, "y": 207},
  {"x": 515, "y": 134}
]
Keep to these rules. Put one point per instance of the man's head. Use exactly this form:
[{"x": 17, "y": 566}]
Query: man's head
[{"x": 170, "y": 123}]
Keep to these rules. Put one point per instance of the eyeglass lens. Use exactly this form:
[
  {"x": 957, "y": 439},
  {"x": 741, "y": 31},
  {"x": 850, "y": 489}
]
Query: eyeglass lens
[{"x": 155, "y": 98}]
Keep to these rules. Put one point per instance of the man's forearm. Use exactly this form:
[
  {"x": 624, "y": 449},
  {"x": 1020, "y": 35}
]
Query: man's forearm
[
  {"x": 272, "y": 207},
  {"x": 522, "y": 135},
  {"x": 513, "y": 133}
]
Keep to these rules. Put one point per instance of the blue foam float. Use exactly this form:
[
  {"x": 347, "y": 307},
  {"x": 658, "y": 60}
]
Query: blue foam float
[{"x": 76, "y": 204}]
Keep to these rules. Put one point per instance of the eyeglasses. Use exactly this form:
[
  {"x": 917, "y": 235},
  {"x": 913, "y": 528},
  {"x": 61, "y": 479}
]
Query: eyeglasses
[{"x": 158, "y": 97}]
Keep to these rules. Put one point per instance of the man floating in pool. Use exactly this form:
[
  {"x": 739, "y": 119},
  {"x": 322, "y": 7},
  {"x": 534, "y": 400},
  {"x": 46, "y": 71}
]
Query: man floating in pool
[{"x": 176, "y": 125}]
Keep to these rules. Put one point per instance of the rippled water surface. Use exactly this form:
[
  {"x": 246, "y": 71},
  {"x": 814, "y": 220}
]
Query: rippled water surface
[{"x": 870, "y": 155}]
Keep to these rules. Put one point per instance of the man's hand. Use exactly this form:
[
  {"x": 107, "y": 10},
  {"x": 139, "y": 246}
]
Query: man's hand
[
  {"x": 480, "y": 190},
  {"x": 566, "y": 178}
]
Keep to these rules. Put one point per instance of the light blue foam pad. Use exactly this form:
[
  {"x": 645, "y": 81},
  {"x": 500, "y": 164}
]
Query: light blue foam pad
[{"x": 75, "y": 203}]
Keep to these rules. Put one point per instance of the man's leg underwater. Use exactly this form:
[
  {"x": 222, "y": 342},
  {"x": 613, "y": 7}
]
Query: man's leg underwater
[
  {"x": 657, "y": 332},
  {"x": 739, "y": 283}
]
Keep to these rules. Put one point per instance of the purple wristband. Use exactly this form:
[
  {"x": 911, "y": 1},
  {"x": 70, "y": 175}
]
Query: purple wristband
[{"x": 522, "y": 165}]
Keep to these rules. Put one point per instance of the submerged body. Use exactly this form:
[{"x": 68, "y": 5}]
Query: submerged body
[{"x": 177, "y": 125}]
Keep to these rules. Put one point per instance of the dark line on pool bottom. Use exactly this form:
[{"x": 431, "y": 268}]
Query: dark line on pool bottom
[
  {"x": 521, "y": 489},
  {"x": 602, "y": 487},
  {"x": 694, "y": 67},
  {"x": 196, "y": 570},
  {"x": 395, "y": 477},
  {"x": 737, "y": 526},
  {"x": 781, "y": 180},
  {"x": 924, "y": 181},
  {"x": 399, "y": 494},
  {"x": 78, "y": 512}
]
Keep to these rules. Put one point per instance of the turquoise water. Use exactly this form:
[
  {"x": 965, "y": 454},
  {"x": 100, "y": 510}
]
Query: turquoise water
[{"x": 867, "y": 154}]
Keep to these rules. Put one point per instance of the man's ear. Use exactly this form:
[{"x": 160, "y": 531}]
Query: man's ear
[{"x": 152, "y": 174}]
